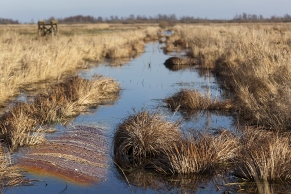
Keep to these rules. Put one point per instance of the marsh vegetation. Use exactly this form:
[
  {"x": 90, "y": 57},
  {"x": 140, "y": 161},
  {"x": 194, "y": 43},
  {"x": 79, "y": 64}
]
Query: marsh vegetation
[{"x": 151, "y": 148}]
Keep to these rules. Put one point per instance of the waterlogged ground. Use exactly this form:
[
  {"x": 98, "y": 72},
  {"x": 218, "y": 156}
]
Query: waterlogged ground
[{"x": 145, "y": 82}]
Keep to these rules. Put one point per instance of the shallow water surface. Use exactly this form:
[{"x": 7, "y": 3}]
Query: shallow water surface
[{"x": 145, "y": 82}]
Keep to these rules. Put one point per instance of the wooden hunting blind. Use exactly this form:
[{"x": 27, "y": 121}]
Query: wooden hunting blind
[{"x": 47, "y": 28}]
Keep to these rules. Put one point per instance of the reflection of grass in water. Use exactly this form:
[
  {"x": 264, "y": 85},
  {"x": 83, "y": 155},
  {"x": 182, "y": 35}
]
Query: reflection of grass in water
[
  {"x": 20, "y": 125},
  {"x": 145, "y": 180},
  {"x": 79, "y": 156}
]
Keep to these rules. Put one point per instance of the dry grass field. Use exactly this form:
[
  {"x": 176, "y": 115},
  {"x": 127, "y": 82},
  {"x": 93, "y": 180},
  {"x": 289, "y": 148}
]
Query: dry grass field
[
  {"x": 252, "y": 62},
  {"x": 26, "y": 59}
]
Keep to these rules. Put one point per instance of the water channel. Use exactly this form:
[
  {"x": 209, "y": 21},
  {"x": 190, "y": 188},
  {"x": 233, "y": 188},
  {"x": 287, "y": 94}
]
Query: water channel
[{"x": 145, "y": 82}]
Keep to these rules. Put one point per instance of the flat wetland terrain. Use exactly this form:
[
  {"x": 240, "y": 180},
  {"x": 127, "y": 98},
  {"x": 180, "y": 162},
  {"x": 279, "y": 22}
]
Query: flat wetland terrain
[{"x": 116, "y": 108}]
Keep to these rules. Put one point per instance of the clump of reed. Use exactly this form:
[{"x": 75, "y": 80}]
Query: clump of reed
[
  {"x": 21, "y": 124},
  {"x": 79, "y": 156},
  {"x": 263, "y": 156},
  {"x": 202, "y": 153},
  {"x": 147, "y": 141},
  {"x": 142, "y": 138},
  {"x": 188, "y": 100}
]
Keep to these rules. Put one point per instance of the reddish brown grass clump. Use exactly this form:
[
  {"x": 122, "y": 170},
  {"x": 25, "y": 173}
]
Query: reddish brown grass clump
[
  {"x": 202, "y": 153},
  {"x": 264, "y": 156},
  {"x": 142, "y": 138},
  {"x": 147, "y": 141},
  {"x": 193, "y": 100}
]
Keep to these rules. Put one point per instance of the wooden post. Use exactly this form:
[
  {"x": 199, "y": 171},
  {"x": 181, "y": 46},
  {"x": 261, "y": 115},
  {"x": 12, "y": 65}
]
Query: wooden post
[
  {"x": 54, "y": 26},
  {"x": 41, "y": 26}
]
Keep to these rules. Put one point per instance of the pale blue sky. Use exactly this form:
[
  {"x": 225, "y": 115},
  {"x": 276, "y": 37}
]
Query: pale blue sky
[{"x": 26, "y": 10}]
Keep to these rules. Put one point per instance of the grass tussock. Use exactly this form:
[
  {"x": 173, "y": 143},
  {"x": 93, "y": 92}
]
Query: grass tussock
[
  {"x": 188, "y": 100},
  {"x": 264, "y": 156},
  {"x": 141, "y": 138},
  {"x": 202, "y": 153},
  {"x": 20, "y": 125},
  {"x": 147, "y": 141}
]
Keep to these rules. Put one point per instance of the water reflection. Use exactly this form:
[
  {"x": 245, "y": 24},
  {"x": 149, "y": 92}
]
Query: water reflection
[{"x": 139, "y": 180}]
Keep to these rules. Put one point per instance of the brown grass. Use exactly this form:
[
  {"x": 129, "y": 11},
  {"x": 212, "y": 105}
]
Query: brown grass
[
  {"x": 141, "y": 138},
  {"x": 188, "y": 100},
  {"x": 202, "y": 153},
  {"x": 20, "y": 125},
  {"x": 24, "y": 59},
  {"x": 264, "y": 156},
  {"x": 252, "y": 61},
  {"x": 146, "y": 141},
  {"x": 79, "y": 156}
]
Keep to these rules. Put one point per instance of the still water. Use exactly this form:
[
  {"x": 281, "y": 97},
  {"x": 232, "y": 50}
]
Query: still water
[{"x": 145, "y": 82}]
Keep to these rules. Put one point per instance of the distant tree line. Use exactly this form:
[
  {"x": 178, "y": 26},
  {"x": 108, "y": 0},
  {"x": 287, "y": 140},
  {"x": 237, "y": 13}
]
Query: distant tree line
[
  {"x": 8, "y": 21},
  {"x": 253, "y": 17},
  {"x": 163, "y": 19},
  {"x": 171, "y": 19}
]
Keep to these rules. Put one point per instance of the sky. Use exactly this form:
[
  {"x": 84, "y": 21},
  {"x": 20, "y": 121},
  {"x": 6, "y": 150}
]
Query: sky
[{"x": 34, "y": 10}]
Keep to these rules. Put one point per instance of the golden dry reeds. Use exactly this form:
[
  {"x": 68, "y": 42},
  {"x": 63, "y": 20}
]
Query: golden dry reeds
[
  {"x": 142, "y": 138},
  {"x": 252, "y": 62},
  {"x": 263, "y": 156},
  {"x": 24, "y": 59},
  {"x": 21, "y": 124},
  {"x": 147, "y": 141},
  {"x": 202, "y": 153},
  {"x": 189, "y": 100},
  {"x": 78, "y": 156}
]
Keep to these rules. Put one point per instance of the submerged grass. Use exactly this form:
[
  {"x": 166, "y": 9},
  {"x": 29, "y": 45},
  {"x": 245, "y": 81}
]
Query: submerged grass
[{"x": 78, "y": 156}]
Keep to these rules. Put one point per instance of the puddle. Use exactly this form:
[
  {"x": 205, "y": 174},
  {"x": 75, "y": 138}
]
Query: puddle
[{"x": 145, "y": 82}]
